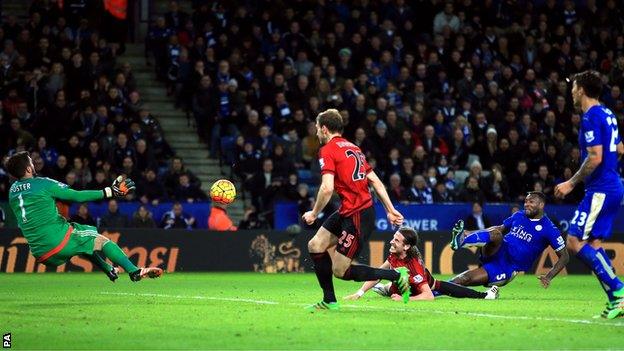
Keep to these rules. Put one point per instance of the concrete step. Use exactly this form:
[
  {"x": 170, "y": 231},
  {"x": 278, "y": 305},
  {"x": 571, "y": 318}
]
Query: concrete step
[
  {"x": 186, "y": 142},
  {"x": 174, "y": 121},
  {"x": 182, "y": 138},
  {"x": 201, "y": 162},
  {"x": 145, "y": 76},
  {"x": 135, "y": 49},
  {"x": 194, "y": 158},
  {"x": 163, "y": 105},
  {"x": 182, "y": 130},
  {"x": 171, "y": 116}
]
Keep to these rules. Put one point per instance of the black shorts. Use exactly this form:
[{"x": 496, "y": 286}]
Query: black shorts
[{"x": 352, "y": 231}]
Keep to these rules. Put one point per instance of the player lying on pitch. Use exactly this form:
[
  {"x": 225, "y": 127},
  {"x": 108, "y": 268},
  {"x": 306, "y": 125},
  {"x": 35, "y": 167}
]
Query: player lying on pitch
[
  {"x": 53, "y": 240},
  {"x": 529, "y": 233},
  {"x": 404, "y": 253}
]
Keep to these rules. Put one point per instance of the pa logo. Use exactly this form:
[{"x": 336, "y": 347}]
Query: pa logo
[{"x": 6, "y": 341}]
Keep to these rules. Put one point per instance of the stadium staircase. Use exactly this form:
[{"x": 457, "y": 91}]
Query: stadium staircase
[
  {"x": 178, "y": 130},
  {"x": 180, "y": 134}
]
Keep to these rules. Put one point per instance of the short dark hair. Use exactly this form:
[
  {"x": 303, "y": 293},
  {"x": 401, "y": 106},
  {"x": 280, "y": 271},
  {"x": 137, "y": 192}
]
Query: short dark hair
[
  {"x": 16, "y": 165},
  {"x": 539, "y": 194},
  {"x": 410, "y": 236},
  {"x": 331, "y": 119},
  {"x": 590, "y": 81}
]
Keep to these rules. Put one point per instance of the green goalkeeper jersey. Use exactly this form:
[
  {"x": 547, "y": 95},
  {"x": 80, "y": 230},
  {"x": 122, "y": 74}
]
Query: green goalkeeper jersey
[{"x": 33, "y": 203}]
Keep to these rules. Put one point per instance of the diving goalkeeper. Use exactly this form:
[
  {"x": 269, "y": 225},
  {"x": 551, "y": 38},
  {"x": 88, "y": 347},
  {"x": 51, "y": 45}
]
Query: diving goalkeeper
[{"x": 53, "y": 240}]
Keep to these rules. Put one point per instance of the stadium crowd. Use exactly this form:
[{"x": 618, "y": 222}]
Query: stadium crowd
[
  {"x": 451, "y": 100},
  {"x": 68, "y": 99}
]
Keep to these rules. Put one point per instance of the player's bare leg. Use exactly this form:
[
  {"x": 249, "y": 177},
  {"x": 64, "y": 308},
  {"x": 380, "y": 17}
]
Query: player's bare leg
[
  {"x": 474, "y": 277},
  {"x": 320, "y": 247},
  {"x": 595, "y": 258},
  {"x": 110, "y": 250}
]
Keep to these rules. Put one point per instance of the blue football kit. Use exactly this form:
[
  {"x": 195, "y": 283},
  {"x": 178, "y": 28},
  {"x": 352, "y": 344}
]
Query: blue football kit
[{"x": 522, "y": 245}]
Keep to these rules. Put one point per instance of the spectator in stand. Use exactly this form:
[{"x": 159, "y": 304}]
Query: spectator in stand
[
  {"x": 82, "y": 216},
  {"x": 82, "y": 173},
  {"x": 251, "y": 220},
  {"x": 186, "y": 192},
  {"x": 113, "y": 218},
  {"x": 263, "y": 186},
  {"x": 128, "y": 169},
  {"x": 547, "y": 181},
  {"x": 420, "y": 193},
  {"x": 150, "y": 190},
  {"x": 495, "y": 185},
  {"x": 396, "y": 192},
  {"x": 441, "y": 194},
  {"x": 219, "y": 220},
  {"x": 171, "y": 177},
  {"x": 477, "y": 220},
  {"x": 142, "y": 218},
  {"x": 520, "y": 182},
  {"x": 471, "y": 191},
  {"x": 99, "y": 182},
  {"x": 249, "y": 161},
  {"x": 177, "y": 219}
]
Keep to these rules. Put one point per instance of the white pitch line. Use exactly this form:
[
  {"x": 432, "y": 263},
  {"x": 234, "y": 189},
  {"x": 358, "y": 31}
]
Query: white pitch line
[
  {"x": 197, "y": 297},
  {"x": 489, "y": 315},
  {"x": 376, "y": 308}
]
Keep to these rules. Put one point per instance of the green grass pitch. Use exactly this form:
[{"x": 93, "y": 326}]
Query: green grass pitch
[{"x": 264, "y": 311}]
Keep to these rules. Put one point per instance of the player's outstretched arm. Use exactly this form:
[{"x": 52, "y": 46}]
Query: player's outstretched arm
[
  {"x": 591, "y": 162},
  {"x": 322, "y": 198},
  {"x": 620, "y": 150},
  {"x": 367, "y": 285},
  {"x": 121, "y": 187},
  {"x": 564, "y": 257},
  {"x": 395, "y": 217}
]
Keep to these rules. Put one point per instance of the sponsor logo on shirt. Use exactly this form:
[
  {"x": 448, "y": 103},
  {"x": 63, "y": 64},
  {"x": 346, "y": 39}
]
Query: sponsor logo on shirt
[
  {"x": 418, "y": 278},
  {"x": 521, "y": 234},
  {"x": 589, "y": 136}
]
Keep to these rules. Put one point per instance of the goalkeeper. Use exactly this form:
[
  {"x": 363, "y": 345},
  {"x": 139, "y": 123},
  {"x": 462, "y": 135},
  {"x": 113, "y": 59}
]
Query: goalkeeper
[{"x": 53, "y": 240}]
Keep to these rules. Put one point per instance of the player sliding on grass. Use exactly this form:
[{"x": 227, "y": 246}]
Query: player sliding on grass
[
  {"x": 404, "y": 253},
  {"x": 529, "y": 233},
  {"x": 346, "y": 230},
  {"x": 52, "y": 239}
]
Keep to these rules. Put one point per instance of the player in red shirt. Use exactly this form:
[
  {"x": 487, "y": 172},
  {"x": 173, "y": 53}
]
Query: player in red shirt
[
  {"x": 344, "y": 167},
  {"x": 404, "y": 253}
]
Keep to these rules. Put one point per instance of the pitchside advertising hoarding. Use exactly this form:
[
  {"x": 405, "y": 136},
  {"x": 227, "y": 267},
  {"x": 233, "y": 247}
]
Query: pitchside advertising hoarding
[
  {"x": 442, "y": 217},
  {"x": 261, "y": 251}
]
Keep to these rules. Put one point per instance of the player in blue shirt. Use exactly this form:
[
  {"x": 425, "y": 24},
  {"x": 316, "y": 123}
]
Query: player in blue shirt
[
  {"x": 601, "y": 147},
  {"x": 529, "y": 233}
]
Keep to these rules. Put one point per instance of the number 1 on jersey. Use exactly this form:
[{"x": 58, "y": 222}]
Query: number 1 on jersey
[
  {"x": 359, "y": 162},
  {"x": 21, "y": 205}
]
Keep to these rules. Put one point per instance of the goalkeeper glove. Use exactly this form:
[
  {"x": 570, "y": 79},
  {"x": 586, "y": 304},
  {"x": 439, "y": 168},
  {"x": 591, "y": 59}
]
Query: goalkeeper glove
[{"x": 121, "y": 187}]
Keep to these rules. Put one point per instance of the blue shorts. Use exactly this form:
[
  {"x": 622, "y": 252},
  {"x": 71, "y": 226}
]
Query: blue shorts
[
  {"x": 594, "y": 215},
  {"x": 499, "y": 267}
]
